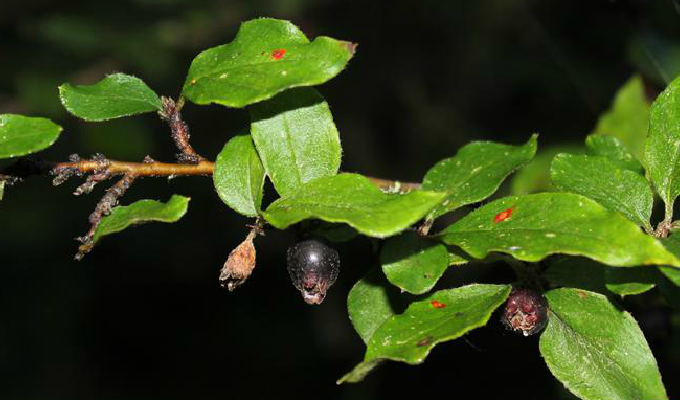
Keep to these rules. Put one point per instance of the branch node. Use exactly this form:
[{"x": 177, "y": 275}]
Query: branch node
[{"x": 180, "y": 130}]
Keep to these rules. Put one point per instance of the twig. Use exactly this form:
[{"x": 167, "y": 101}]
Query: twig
[{"x": 179, "y": 129}]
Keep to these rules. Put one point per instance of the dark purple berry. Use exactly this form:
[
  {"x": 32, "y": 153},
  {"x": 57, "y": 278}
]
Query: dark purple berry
[
  {"x": 313, "y": 267},
  {"x": 526, "y": 311}
]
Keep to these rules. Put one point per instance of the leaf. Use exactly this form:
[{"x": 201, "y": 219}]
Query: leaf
[
  {"x": 534, "y": 226},
  {"x": 613, "y": 149},
  {"x": 444, "y": 315},
  {"x": 475, "y": 172},
  {"x": 413, "y": 263},
  {"x": 534, "y": 177},
  {"x": 296, "y": 138},
  {"x": 629, "y": 281},
  {"x": 117, "y": 95},
  {"x": 336, "y": 233},
  {"x": 371, "y": 302},
  {"x": 266, "y": 57},
  {"x": 662, "y": 151},
  {"x": 239, "y": 176},
  {"x": 603, "y": 181},
  {"x": 597, "y": 350},
  {"x": 354, "y": 200},
  {"x": 672, "y": 243},
  {"x": 140, "y": 212},
  {"x": 628, "y": 117},
  {"x": 20, "y": 135},
  {"x": 2, "y": 188}
]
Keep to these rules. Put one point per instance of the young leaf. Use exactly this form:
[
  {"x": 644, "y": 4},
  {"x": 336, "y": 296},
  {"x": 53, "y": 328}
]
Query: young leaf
[
  {"x": 352, "y": 199},
  {"x": 296, "y": 138},
  {"x": 117, "y": 95},
  {"x": 628, "y": 117},
  {"x": 534, "y": 226},
  {"x": 475, "y": 172},
  {"x": 266, "y": 57},
  {"x": 239, "y": 176},
  {"x": 140, "y": 212},
  {"x": 371, "y": 302},
  {"x": 596, "y": 350},
  {"x": 20, "y": 135},
  {"x": 662, "y": 151},
  {"x": 603, "y": 181},
  {"x": 613, "y": 149},
  {"x": 444, "y": 315},
  {"x": 413, "y": 263}
]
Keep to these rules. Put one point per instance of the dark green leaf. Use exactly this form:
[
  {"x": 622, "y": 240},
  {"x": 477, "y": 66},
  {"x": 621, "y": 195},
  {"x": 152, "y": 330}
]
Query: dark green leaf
[
  {"x": 578, "y": 273},
  {"x": 596, "y": 350},
  {"x": 442, "y": 316},
  {"x": 140, "y": 212},
  {"x": 534, "y": 226},
  {"x": 371, "y": 302},
  {"x": 603, "y": 181},
  {"x": 20, "y": 135},
  {"x": 672, "y": 243},
  {"x": 296, "y": 138},
  {"x": 475, "y": 172},
  {"x": 334, "y": 232},
  {"x": 627, "y": 281},
  {"x": 239, "y": 176},
  {"x": 613, "y": 149},
  {"x": 662, "y": 152},
  {"x": 628, "y": 117},
  {"x": 117, "y": 95},
  {"x": 266, "y": 57},
  {"x": 413, "y": 263},
  {"x": 352, "y": 199}
]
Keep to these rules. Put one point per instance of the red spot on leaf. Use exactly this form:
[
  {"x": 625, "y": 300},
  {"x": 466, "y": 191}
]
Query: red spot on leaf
[
  {"x": 437, "y": 304},
  {"x": 278, "y": 54},
  {"x": 502, "y": 216}
]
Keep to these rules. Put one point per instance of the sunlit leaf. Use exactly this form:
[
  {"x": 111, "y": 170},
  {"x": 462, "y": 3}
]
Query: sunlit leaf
[{"x": 20, "y": 135}]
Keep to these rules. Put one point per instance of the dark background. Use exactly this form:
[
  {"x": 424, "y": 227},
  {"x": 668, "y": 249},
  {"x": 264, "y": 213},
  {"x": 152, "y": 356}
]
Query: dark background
[{"x": 143, "y": 316}]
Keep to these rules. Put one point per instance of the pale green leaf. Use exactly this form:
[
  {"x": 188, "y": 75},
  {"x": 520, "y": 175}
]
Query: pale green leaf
[
  {"x": 605, "y": 182},
  {"x": 535, "y": 176},
  {"x": 266, "y": 57},
  {"x": 413, "y": 263},
  {"x": 296, "y": 138},
  {"x": 597, "y": 350},
  {"x": 613, "y": 149},
  {"x": 117, "y": 95},
  {"x": 354, "y": 200},
  {"x": 239, "y": 176},
  {"x": 140, "y": 212},
  {"x": 534, "y": 226},
  {"x": 20, "y": 135},
  {"x": 475, "y": 172},
  {"x": 628, "y": 117}
]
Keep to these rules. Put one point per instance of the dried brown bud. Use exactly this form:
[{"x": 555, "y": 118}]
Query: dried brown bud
[{"x": 239, "y": 265}]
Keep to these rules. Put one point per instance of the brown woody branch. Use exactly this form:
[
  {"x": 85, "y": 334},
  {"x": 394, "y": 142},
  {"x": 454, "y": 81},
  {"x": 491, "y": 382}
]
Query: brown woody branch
[{"x": 179, "y": 129}]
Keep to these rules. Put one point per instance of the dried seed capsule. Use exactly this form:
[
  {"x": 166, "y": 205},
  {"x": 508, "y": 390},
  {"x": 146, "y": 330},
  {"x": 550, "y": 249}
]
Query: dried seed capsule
[
  {"x": 526, "y": 311},
  {"x": 313, "y": 267}
]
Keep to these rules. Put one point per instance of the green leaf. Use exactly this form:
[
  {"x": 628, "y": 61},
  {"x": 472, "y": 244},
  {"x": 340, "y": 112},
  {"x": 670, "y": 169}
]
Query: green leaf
[
  {"x": 140, "y": 212},
  {"x": 266, "y": 57},
  {"x": 413, "y": 263},
  {"x": 534, "y": 226},
  {"x": 597, "y": 350},
  {"x": 662, "y": 151},
  {"x": 535, "y": 176},
  {"x": 603, "y": 181},
  {"x": 672, "y": 243},
  {"x": 352, "y": 199},
  {"x": 336, "y": 233},
  {"x": 117, "y": 95},
  {"x": 296, "y": 138},
  {"x": 239, "y": 176},
  {"x": 20, "y": 135},
  {"x": 371, "y": 302},
  {"x": 2, "y": 188},
  {"x": 629, "y": 281},
  {"x": 613, "y": 149},
  {"x": 628, "y": 117},
  {"x": 475, "y": 172},
  {"x": 444, "y": 315}
]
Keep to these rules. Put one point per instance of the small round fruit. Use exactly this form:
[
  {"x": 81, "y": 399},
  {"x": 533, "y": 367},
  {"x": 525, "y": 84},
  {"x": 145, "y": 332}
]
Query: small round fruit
[
  {"x": 313, "y": 267},
  {"x": 526, "y": 311}
]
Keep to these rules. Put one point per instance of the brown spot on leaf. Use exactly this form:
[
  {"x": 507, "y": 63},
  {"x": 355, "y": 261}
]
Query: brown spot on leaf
[
  {"x": 581, "y": 294},
  {"x": 424, "y": 341}
]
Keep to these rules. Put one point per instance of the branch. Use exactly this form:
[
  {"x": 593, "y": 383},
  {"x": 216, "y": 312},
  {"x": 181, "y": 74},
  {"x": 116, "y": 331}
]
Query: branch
[{"x": 179, "y": 129}]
